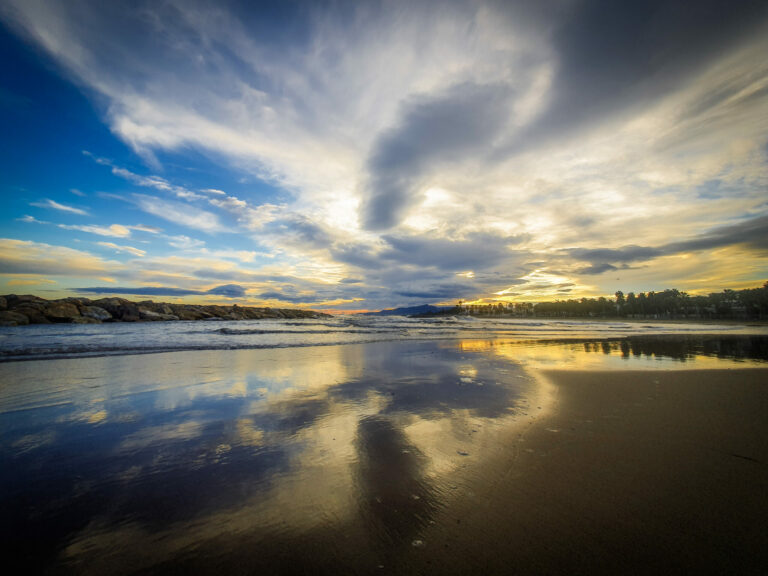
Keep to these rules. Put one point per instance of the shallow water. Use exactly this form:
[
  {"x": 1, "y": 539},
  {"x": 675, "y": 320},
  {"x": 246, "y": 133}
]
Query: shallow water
[
  {"x": 73, "y": 340},
  {"x": 333, "y": 459}
]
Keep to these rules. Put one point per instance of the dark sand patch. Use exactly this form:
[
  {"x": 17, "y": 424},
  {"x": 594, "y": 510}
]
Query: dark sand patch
[{"x": 632, "y": 473}]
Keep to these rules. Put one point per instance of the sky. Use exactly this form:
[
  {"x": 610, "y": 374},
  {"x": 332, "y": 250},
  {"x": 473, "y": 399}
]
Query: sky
[{"x": 363, "y": 155}]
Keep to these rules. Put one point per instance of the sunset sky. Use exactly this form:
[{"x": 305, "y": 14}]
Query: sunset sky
[{"x": 362, "y": 155}]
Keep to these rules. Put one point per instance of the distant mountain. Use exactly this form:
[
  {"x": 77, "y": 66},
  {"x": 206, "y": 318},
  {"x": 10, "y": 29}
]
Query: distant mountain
[{"x": 409, "y": 311}]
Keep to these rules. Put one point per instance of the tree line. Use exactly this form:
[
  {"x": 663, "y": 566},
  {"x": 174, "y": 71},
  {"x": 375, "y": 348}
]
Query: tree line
[{"x": 751, "y": 303}]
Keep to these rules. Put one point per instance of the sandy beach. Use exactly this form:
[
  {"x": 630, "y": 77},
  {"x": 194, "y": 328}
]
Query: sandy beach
[
  {"x": 403, "y": 458},
  {"x": 642, "y": 472}
]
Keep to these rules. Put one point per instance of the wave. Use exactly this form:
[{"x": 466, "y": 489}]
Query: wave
[
  {"x": 68, "y": 340},
  {"x": 247, "y": 331}
]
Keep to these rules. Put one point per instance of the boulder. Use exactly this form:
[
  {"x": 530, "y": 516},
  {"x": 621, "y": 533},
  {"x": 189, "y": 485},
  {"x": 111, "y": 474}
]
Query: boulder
[
  {"x": 11, "y": 318},
  {"x": 39, "y": 305},
  {"x": 13, "y": 300},
  {"x": 85, "y": 320},
  {"x": 189, "y": 312},
  {"x": 35, "y": 314},
  {"x": 60, "y": 311},
  {"x": 120, "y": 309},
  {"x": 95, "y": 312},
  {"x": 146, "y": 314}
]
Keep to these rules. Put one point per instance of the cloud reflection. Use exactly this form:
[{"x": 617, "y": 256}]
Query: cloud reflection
[{"x": 189, "y": 454}]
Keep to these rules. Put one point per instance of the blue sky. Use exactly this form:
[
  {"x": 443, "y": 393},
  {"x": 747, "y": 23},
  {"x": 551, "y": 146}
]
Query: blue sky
[{"x": 360, "y": 155}]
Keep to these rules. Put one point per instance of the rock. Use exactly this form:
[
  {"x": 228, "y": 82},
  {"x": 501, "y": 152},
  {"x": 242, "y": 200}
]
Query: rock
[
  {"x": 85, "y": 320},
  {"x": 60, "y": 311},
  {"x": 95, "y": 312},
  {"x": 34, "y": 313},
  {"x": 146, "y": 314},
  {"x": 189, "y": 312},
  {"x": 13, "y": 300},
  {"x": 11, "y": 318},
  {"x": 120, "y": 309},
  {"x": 39, "y": 305},
  {"x": 34, "y": 310}
]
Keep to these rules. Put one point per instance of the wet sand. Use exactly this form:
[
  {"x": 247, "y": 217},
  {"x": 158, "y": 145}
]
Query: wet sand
[
  {"x": 397, "y": 458},
  {"x": 645, "y": 472}
]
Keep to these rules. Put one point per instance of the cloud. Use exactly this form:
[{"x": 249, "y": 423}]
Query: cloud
[
  {"x": 439, "y": 292},
  {"x": 185, "y": 242},
  {"x": 597, "y": 269},
  {"x": 31, "y": 220},
  {"x": 465, "y": 119},
  {"x": 616, "y": 56},
  {"x": 476, "y": 251},
  {"x": 406, "y": 142},
  {"x": 128, "y": 249},
  {"x": 752, "y": 233},
  {"x": 116, "y": 230},
  {"x": 287, "y": 296},
  {"x": 47, "y": 203},
  {"x": 179, "y": 213},
  {"x": 144, "y": 228},
  {"x": 156, "y": 182},
  {"x": 229, "y": 291},
  {"x": 624, "y": 254},
  {"x": 29, "y": 282},
  {"x": 27, "y": 257}
]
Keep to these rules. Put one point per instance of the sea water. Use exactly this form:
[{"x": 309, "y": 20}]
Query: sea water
[{"x": 79, "y": 340}]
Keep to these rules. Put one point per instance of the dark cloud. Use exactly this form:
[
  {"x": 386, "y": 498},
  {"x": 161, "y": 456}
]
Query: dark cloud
[
  {"x": 614, "y": 55},
  {"x": 597, "y": 269},
  {"x": 228, "y": 290},
  {"x": 286, "y": 296},
  {"x": 474, "y": 252},
  {"x": 600, "y": 256},
  {"x": 439, "y": 292},
  {"x": 356, "y": 254},
  {"x": 436, "y": 129},
  {"x": 300, "y": 231},
  {"x": 751, "y": 233}
]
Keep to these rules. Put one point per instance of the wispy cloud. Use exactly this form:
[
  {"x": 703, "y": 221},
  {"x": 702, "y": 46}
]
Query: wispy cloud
[
  {"x": 27, "y": 257},
  {"x": 179, "y": 213},
  {"x": 227, "y": 290},
  {"x": 128, "y": 249},
  {"x": 185, "y": 242},
  {"x": 52, "y": 204},
  {"x": 116, "y": 230},
  {"x": 144, "y": 228},
  {"x": 31, "y": 220}
]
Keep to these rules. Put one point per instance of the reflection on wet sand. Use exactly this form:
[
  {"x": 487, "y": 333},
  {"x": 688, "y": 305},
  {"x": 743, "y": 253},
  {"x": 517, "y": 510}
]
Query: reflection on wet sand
[
  {"x": 334, "y": 459},
  {"x": 166, "y": 453}
]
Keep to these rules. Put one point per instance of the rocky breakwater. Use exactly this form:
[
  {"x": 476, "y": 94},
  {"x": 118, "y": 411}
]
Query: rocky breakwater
[{"x": 27, "y": 309}]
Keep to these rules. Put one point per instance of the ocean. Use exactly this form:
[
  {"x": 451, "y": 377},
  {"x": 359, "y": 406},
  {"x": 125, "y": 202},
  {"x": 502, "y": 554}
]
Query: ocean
[{"x": 82, "y": 340}]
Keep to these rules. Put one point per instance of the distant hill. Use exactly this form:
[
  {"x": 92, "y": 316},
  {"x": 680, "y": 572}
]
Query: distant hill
[{"x": 409, "y": 311}]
